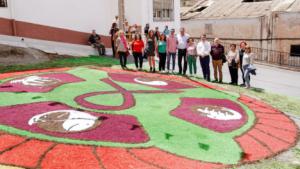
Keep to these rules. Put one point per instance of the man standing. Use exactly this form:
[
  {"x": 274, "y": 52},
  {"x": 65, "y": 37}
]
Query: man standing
[
  {"x": 146, "y": 29},
  {"x": 217, "y": 54},
  {"x": 182, "y": 39},
  {"x": 241, "y": 53},
  {"x": 166, "y": 31},
  {"x": 116, "y": 20},
  {"x": 95, "y": 42},
  {"x": 171, "y": 50},
  {"x": 203, "y": 50}
]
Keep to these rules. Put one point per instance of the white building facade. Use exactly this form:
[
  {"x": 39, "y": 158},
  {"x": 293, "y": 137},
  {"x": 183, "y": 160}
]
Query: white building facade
[{"x": 70, "y": 21}]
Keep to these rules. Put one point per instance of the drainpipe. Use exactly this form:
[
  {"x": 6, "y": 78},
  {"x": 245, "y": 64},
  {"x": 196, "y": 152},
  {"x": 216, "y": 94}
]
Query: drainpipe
[
  {"x": 261, "y": 53},
  {"x": 13, "y": 21},
  {"x": 261, "y": 31}
]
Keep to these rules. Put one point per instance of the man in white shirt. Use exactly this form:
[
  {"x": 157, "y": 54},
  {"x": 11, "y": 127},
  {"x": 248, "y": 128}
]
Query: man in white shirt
[
  {"x": 116, "y": 20},
  {"x": 182, "y": 39},
  {"x": 203, "y": 51}
]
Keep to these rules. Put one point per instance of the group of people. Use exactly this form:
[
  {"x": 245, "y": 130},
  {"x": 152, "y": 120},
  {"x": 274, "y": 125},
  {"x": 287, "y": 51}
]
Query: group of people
[{"x": 168, "y": 46}]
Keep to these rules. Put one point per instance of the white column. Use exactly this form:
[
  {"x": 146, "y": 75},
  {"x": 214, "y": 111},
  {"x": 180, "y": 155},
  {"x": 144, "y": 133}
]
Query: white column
[
  {"x": 121, "y": 13},
  {"x": 11, "y": 8}
]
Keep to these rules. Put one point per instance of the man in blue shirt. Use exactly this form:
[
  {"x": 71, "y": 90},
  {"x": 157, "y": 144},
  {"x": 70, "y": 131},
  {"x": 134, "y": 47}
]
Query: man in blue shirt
[{"x": 167, "y": 31}]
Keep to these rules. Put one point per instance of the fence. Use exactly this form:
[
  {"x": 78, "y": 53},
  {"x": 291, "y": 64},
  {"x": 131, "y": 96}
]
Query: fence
[{"x": 272, "y": 57}]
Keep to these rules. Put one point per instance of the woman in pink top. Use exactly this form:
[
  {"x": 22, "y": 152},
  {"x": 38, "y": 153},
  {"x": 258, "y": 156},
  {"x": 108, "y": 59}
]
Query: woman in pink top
[
  {"x": 192, "y": 56},
  {"x": 171, "y": 50}
]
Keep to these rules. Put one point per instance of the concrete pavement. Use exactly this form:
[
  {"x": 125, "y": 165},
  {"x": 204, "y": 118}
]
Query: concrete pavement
[{"x": 268, "y": 78}]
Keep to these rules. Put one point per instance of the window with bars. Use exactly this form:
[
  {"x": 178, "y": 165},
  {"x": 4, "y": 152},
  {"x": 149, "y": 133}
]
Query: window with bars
[
  {"x": 295, "y": 50},
  {"x": 3, "y": 3},
  {"x": 208, "y": 29},
  {"x": 163, "y": 10}
]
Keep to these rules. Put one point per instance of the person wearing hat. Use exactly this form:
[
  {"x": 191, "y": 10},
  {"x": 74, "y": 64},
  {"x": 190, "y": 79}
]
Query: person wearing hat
[{"x": 171, "y": 50}]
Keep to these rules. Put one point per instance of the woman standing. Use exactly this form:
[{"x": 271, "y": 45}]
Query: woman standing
[
  {"x": 122, "y": 49},
  {"x": 233, "y": 59},
  {"x": 248, "y": 65},
  {"x": 112, "y": 33},
  {"x": 137, "y": 49},
  {"x": 192, "y": 56},
  {"x": 150, "y": 50},
  {"x": 162, "y": 52},
  {"x": 243, "y": 45}
]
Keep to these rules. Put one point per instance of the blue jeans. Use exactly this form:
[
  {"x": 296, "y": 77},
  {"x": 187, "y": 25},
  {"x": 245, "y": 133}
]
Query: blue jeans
[
  {"x": 169, "y": 57},
  {"x": 205, "y": 67},
  {"x": 247, "y": 75}
]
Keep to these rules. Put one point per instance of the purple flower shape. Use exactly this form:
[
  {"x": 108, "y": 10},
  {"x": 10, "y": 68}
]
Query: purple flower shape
[
  {"x": 56, "y": 119},
  {"x": 39, "y": 83},
  {"x": 219, "y": 115}
]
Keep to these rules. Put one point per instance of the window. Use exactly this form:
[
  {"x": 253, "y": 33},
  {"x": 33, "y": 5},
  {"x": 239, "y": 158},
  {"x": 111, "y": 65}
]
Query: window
[
  {"x": 255, "y": 0},
  {"x": 163, "y": 10},
  {"x": 3, "y": 3},
  {"x": 208, "y": 29},
  {"x": 295, "y": 50},
  {"x": 200, "y": 9}
]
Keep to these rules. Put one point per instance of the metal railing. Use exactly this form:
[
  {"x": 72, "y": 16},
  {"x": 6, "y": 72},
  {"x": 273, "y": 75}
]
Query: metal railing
[{"x": 273, "y": 57}]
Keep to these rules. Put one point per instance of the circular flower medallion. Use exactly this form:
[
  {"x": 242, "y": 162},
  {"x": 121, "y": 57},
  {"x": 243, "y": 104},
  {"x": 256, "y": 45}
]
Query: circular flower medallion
[{"x": 65, "y": 121}]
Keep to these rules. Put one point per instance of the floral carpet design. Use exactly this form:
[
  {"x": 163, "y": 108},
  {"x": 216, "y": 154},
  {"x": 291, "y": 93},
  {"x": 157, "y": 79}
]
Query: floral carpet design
[{"x": 89, "y": 118}]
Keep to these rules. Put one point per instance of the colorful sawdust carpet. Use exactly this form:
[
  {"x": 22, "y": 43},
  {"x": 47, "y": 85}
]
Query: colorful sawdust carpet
[{"x": 108, "y": 118}]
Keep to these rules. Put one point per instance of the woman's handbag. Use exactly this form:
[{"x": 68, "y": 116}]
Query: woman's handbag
[
  {"x": 127, "y": 53},
  {"x": 145, "y": 56},
  {"x": 252, "y": 69}
]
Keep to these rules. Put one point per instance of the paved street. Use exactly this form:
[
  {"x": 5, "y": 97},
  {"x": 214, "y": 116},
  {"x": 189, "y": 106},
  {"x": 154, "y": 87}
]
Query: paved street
[
  {"x": 270, "y": 79},
  {"x": 279, "y": 81}
]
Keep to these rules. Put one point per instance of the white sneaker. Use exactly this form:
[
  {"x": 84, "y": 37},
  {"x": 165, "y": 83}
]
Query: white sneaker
[{"x": 247, "y": 87}]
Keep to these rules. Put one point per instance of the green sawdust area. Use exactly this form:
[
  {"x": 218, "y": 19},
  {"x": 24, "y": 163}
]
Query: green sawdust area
[
  {"x": 101, "y": 61},
  {"x": 152, "y": 111}
]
